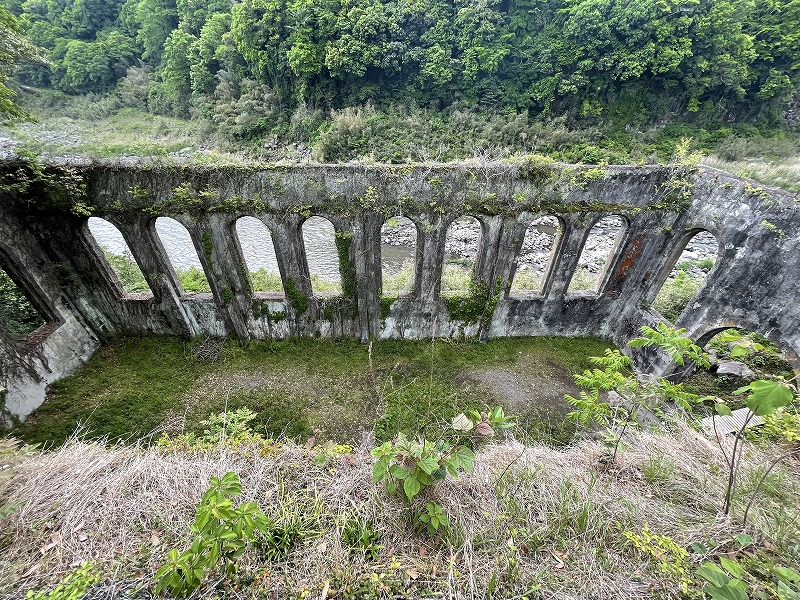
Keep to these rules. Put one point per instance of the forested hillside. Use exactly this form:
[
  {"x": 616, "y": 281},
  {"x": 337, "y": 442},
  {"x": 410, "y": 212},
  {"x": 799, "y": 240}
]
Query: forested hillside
[{"x": 296, "y": 69}]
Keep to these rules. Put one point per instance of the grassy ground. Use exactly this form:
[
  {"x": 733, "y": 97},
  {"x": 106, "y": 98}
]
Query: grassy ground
[
  {"x": 306, "y": 387},
  {"x": 781, "y": 172},
  {"x": 530, "y": 522}
]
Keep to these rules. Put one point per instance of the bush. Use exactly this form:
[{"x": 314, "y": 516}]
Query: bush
[
  {"x": 222, "y": 533},
  {"x": 675, "y": 295}
]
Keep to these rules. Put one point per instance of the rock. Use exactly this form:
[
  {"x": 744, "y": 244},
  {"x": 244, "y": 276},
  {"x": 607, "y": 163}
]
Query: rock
[{"x": 735, "y": 368}]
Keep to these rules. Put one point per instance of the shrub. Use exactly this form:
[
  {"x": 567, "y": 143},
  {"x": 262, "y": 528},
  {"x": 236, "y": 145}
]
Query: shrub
[
  {"x": 73, "y": 586},
  {"x": 222, "y": 533},
  {"x": 412, "y": 465}
]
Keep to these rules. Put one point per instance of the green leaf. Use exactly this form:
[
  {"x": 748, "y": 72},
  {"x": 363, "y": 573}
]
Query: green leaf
[
  {"x": 723, "y": 409},
  {"x": 398, "y": 471},
  {"x": 429, "y": 463},
  {"x": 726, "y": 592},
  {"x": 411, "y": 487},
  {"x": 743, "y": 540},
  {"x": 464, "y": 458},
  {"x": 787, "y": 574},
  {"x": 732, "y": 567},
  {"x": 713, "y": 574},
  {"x": 767, "y": 396},
  {"x": 380, "y": 469}
]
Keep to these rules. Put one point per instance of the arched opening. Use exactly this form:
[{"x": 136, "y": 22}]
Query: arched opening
[
  {"x": 319, "y": 238},
  {"x": 18, "y": 315},
  {"x": 119, "y": 256},
  {"x": 258, "y": 250},
  {"x": 398, "y": 254},
  {"x": 535, "y": 257},
  {"x": 689, "y": 272},
  {"x": 597, "y": 253},
  {"x": 461, "y": 248},
  {"x": 738, "y": 356},
  {"x": 182, "y": 255}
]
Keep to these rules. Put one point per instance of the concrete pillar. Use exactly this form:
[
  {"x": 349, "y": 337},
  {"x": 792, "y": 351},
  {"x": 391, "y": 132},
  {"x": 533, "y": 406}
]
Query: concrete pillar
[
  {"x": 567, "y": 254},
  {"x": 221, "y": 260},
  {"x": 146, "y": 247}
]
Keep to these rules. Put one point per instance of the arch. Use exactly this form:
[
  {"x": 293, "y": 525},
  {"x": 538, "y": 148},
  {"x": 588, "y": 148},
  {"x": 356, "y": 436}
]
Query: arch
[
  {"x": 691, "y": 262},
  {"x": 258, "y": 250},
  {"x": 182, "y": 255},
  {"x": 462, "y": 242},
  {"x": 110, "y": 240},
  {"x": 598, "y": 253},
  {"x": 773, "y": 345},
  {"x": 398, "y": 256},
  {"x": 535, "y": 259},
  {"x": 322, "y": 257},
  {"x": 18, "y": 314}
]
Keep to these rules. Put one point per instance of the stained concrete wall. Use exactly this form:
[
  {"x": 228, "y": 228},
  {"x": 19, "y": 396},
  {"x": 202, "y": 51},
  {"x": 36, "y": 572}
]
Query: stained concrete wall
[{"x": 755, "y": 283}]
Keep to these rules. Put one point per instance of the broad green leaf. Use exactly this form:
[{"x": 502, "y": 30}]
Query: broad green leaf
[
  {"x": 767, "y": 396},
  {"x": 787, "y": 574},
  {"x": 732, "y": 567},
  {"x": 723, "y": 409},
  {"x": 713, "y": 574},
  {"x": 463, "y": 457},
  {"x": 411, "y": 487},
  {"x": 739, "y": 351},
  {"x": 398, "y": 471},
  {"x": 380, "y": 469},
  {"x": 726, "y": 592},
  {"x": 429, "y": 464}
]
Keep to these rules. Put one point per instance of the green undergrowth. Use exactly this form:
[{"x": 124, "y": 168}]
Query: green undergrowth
[{"x": 325, "y": 388}]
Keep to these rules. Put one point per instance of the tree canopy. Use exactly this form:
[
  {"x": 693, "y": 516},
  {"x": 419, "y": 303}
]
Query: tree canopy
[{"x": 631, "y": 61}]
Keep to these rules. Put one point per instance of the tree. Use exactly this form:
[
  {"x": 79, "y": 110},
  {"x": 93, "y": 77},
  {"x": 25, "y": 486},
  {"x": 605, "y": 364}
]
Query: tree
[{"x": 14, "y": 48}]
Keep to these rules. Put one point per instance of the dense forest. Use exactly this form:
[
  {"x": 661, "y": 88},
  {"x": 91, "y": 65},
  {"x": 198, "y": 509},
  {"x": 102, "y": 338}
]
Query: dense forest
[{"x": 247, "y": 65}]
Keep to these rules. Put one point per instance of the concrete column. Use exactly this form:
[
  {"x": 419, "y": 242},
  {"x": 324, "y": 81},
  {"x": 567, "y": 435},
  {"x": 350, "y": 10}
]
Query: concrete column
[
  {"x": 219, "y": 255},
  {"x": 290, "y": 253},
  {"x": 365, "y": 253},
  {"x": 430, "y": 245},
  {"x": 143, "y": 241},
  {"x": 567, "y": 254}
]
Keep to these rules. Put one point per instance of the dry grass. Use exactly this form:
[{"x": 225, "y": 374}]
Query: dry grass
[
  {"x": 783, "y": 173},
  {"x": 529, "y": 518}
]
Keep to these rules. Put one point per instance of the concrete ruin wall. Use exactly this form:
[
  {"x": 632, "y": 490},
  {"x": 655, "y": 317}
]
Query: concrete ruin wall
[{"x": 47, "y": 249}]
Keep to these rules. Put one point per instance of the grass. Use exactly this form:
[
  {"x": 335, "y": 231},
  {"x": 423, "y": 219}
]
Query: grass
[
  {"x": 322, "y": 387},
  {"x": 531, "y": 521},
  {"x": 675, "y": 294},
  {"x": 778, "y": 172}
]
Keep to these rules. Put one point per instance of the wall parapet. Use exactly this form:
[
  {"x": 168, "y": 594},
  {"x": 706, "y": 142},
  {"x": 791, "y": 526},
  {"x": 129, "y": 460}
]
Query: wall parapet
[{"x": 46, "y": 247}]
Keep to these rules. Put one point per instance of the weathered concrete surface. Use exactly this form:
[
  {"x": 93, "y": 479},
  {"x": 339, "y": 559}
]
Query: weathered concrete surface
[{"x": 755, "y": 283}]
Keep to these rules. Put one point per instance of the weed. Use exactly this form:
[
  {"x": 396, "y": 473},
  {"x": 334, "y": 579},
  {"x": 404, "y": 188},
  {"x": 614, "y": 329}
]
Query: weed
[
  {"x": 221, "y": 532},
  {"x": 360, "y": 537}
]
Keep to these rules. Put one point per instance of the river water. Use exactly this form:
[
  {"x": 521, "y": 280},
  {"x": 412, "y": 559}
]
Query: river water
[{"x": 256, "y": 243}]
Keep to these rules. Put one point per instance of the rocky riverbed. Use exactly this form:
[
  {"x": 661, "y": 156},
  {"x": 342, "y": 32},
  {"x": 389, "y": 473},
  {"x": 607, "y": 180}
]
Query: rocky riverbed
[{"x": 464, "y": 235}]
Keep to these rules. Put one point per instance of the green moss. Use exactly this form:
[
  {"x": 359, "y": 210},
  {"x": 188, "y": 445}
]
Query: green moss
[
  {"x": 259, "y": 308},
  {"x": 347, "y": 269},
  {"x": 208, "y": 248},
  {"x": 477, "y": 305},
  {"x": 133, "y": 386},
  {"x": 386, "y": 306},
  {"x": 227, "y": 296},
  {"x": 297, "y": 299}
]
